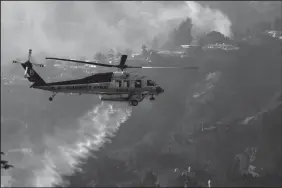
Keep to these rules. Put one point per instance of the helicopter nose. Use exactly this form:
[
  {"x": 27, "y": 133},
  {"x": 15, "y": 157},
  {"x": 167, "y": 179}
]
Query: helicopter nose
[{"x": 159, "y": 90}]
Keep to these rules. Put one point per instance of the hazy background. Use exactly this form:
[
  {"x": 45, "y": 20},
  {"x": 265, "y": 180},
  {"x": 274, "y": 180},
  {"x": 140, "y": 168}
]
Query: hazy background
[
  {"x": 82, "y": 28},
  {"x": 42, "y": 139}
]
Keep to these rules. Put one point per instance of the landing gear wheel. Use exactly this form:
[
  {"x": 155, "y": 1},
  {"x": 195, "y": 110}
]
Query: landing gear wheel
[
  {"x": 52, "y": 97},
  {"x": 133, "y": 102},
  {"x": 152, "y": 98}
]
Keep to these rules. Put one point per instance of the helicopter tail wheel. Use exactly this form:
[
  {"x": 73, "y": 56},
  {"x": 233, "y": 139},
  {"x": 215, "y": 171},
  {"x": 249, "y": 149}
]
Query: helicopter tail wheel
[
  {"x": 50, "y": 98},
  {"x": 133, "y": 103}
]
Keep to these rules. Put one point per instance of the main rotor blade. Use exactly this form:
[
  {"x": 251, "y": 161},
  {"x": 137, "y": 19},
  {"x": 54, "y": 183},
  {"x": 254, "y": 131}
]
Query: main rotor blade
[
  {"x": 14, "y": 61},
  {"x": 195, "y": 68},
  {"x": 35, "y": 64},
  {"x": 85, "y": 62}
]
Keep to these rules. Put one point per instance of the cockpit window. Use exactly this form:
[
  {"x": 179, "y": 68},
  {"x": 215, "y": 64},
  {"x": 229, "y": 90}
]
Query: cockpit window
[
  {"x": 138, "y": 84},
  {"x": 150, "y": 83}
]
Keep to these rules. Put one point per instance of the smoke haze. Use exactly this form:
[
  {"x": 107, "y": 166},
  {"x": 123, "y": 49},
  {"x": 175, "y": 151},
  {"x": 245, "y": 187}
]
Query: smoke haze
[
  {"x": 245, "y": 14},
  {"x": 75, "y": 29},
  {"x": 82, "y": 28}
]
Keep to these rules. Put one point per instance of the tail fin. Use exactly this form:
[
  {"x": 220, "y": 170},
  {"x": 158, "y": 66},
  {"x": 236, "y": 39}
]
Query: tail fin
[{"x": 30, "y": 73}]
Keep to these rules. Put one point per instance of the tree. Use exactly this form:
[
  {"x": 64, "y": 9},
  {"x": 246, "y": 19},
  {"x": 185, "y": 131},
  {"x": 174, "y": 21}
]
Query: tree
[
  {"x": 99, "y": 56},
  {"x": 150, "y": 179},
  {"x": 155, "y": 43},
  {"x": 111, "y": 53},
  {"x": 128, "y": 51},
  {"x": 262, "y": 26},
  {"x": 277, "y": 24},
  {"x": 248, "y": 32},
  {"x": 4, "y": 164},
  {"x": 183, "y": 33},
  {"x": 180, "y": 35},
  {"x": 213, "y": 37},
  {"x": 118, "y": 54}
]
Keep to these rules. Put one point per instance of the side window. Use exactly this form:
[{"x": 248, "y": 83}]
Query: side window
[
  {"x": 127, "y": 83},
  {"x": 138, "y": 83},
  {"x": 118, "y": 83},
  {"x": 123, "y": 83},
  {"x": 150, "y": 83}
]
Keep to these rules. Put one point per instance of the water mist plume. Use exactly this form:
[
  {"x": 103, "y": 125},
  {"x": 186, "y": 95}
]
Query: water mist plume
[{"x": 65, "y": 149}]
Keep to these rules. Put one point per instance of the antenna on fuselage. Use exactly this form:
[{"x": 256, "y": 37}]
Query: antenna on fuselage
[{"x": 28, "y": 64}]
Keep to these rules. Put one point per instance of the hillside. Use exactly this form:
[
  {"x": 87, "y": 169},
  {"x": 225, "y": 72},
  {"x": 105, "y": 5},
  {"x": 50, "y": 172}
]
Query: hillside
[{"x": 229, "y": 88}]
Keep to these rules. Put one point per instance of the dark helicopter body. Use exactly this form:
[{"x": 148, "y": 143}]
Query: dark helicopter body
[
  {"x": 117, "y": 86},
  {"x": 111, "y": 86}
]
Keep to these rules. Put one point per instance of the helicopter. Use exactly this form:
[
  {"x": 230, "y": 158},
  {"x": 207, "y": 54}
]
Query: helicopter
[{"x": 111, "y": 86}]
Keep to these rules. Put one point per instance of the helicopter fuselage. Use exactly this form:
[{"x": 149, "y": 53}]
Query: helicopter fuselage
[{"x": 113, "y": 86}]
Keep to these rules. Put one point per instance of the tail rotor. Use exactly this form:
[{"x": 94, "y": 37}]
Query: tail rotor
[{"x": 28, "y": 65}]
